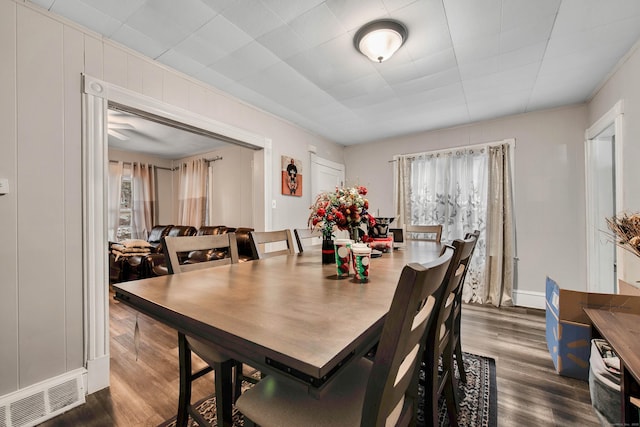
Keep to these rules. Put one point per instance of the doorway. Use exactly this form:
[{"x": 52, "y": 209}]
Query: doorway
[
  {"x": 97, "y": 96},
  {"x": 603, "y": 150}
]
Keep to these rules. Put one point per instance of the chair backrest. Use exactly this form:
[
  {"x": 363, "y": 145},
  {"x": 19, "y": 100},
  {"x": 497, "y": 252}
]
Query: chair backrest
[
  {"x": 305, "y": 234},
  {"x": 434, "y": 230},
  {"x": 176, "y": 245},
  {"x": 463, "y": 250},
  {"x": 259, "y": 238},
  {"x": 391, "y": 394}
]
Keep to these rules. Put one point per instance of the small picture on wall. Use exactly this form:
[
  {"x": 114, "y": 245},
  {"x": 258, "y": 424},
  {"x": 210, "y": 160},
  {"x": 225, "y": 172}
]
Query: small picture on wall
[{"x": 291, "y": 176}]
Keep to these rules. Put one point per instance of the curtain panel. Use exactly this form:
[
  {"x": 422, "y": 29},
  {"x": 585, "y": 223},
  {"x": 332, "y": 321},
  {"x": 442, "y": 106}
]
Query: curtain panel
[
  {"x": 143, "y": 186},
  {"x": 192, "y": 193},
  {"x": 453, "y": 188}
]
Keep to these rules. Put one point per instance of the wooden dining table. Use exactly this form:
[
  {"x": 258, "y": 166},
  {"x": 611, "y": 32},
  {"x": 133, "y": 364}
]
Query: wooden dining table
[{"x": 288, "y": 315}]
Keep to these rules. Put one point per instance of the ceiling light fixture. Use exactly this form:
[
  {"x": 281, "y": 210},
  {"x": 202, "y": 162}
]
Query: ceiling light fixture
[{"x": 378, "y": 40}]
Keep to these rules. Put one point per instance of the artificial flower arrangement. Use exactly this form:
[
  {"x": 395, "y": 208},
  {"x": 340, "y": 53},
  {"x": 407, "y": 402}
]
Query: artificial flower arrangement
[
  {"x": 626, "y": 230},
  {"x": 343, "y": 209}
]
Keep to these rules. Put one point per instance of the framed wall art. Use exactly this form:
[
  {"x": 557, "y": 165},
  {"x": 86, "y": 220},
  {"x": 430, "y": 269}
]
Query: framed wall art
[{"x": 291, "y": 176}]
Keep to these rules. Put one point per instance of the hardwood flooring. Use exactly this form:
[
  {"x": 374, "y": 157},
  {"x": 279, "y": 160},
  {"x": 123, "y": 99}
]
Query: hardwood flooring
[{"x": 144, "y": 389}]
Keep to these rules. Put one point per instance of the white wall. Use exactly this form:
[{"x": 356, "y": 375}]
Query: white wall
[
  {"x": 41, "y": 309},
  {"x": 232, "y": 200},
  {"x": 549, "y": 187},
  {"x": 624, "y": 85}
]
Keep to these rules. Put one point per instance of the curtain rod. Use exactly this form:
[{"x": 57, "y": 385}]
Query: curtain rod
[
  {"x": 215, "y": 159},
  {"x": 510, "y": 141}
]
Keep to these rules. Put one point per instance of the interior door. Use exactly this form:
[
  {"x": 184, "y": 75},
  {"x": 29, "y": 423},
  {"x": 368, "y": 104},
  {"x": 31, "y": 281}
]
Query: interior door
[
  {"x": 325, "y": 175},
  {"x": 601, "y": 204}
]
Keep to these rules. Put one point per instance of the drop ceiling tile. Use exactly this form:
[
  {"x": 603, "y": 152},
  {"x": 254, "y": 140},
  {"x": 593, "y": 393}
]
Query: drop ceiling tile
[
  {"x": 317, "y": 25},
  {"x": 428, "y": 29},
  {"x": 380, "y": 96},
  {"x": 138, "y": 41},
  {"x": 214, "y": 78},
  {"x": 218, "y": 6},
  {"x": 521, "y": 13},
  {"x": 428, "y": 82},
  {"x": 118, "y": 9},
  {"x": 536, "y": 31},
  {"x": 86, "y": 15},
  {"x": 479, "y": 68},
  {"x": 353, "y": 14},
  {"x": 394, "y": 5},
  {"x": 370, "y": 83},
  {"x": 471, "y": 19},
  {"x": 424, "y": 66},
  {"x": 221, "y": 35},
  {"x": 169, "y": 22},
  {"x": 180, "y": 62},
  {"x": 478, "y": 49},
  {"x": 577, "y": 16},
  {"x": 283, "y": 42},
  {"x": 288, "y": 10},
  {"x": 254, "y": 56},
  {"x": 253, "y": 17},
  {"x": 333, "y": 63},
  {"x": 523, "y": 56}
]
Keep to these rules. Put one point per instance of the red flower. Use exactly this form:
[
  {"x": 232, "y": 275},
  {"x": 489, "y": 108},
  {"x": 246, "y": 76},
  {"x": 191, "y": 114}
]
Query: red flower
[
  {"x": 362, "y": 190},
  {"x": 315, "y": 221},
  {"x": 321, "y": 212},
  {"x": 366, "y": 204}
]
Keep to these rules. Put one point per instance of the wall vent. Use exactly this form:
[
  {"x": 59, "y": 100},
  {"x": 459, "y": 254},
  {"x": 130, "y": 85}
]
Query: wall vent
[{"x": 40, "y": 402}]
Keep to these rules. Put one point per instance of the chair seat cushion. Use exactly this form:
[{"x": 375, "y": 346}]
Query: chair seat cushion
[
  {"x": 206, "y": 352},
  {"x": 279, "y": 402}
]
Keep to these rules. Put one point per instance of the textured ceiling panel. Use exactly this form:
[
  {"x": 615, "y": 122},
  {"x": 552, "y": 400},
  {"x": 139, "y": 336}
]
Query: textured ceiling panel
[{"x": 465, "y": 60}]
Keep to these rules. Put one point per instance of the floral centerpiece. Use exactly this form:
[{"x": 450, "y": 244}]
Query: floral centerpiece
[
  {"x": 343, "y": 209},
  {"x": 626, "y": 230}
]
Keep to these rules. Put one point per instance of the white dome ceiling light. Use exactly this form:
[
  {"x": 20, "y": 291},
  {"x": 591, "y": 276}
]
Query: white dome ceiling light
[{"x": 379, "y": 40}]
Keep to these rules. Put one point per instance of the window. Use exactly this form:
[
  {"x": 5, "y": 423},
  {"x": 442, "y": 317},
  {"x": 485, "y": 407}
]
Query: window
[{"x": 126, "y": 212}]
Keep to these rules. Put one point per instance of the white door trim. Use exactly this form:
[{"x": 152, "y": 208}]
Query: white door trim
[
  {"x": 614, "y": 116},
  {"x": 96, "y": 95}
]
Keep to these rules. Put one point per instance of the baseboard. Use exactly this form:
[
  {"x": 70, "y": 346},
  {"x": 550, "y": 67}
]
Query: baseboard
[
  {"x": 529, "y": 299},
  {"x": 37, "y": 403},
  {"x": 97, "y": 374}
]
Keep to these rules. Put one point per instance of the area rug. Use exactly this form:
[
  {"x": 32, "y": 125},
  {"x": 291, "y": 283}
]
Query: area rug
[{"x": 478, "y": 403}]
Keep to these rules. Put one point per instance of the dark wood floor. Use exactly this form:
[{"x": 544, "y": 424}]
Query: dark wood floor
[{"x": 144, "y": 391}]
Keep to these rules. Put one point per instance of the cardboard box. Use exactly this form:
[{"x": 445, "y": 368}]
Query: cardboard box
[{"x": 568, "y": 329}]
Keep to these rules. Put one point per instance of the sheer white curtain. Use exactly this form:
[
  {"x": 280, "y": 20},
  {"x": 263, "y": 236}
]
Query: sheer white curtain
[
  {"x": 192, "y": 193},
  {"x": 114, "y": 186},
  {"x": 143, "y": 186},
  {"x": 453, "y": 188}
]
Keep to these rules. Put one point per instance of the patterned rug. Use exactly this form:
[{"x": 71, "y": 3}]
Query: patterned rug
[{"x": 478, "y": 404}]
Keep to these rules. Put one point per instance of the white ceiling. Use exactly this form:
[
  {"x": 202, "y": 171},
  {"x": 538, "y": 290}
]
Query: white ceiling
[
  {"x": 129, "y": 132},
  {"x": 464, "y": 60}
]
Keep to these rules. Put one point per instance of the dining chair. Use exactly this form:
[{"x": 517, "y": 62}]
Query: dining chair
[
  {"x": 366, "y": 393},
  {"x": 440, "y": 381},
  {"x": 260, "y": 238},
  {"x": 226, "y": 387},
  {"x": 457, "y": 312},
  {"x": 305, "y": 234},
  {"x": 429, "y": 233}
]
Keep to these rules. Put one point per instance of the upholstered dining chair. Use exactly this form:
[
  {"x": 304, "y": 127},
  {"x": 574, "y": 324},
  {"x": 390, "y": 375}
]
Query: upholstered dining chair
[
  {"x": 305, "y": 234},
  {"x": 430, "y": 233},
  {"x": 457, "y": 312},
  {"x": 367, "y": 393},
  {"x": 226, "y": 387},
  {"x": 280, "y": 237},
  {"x": 440, "y": 340}
]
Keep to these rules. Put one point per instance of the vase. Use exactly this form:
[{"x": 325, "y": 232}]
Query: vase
[
  {"x": 328, "y": 252},
  {"x": 354, "y": 234}
]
